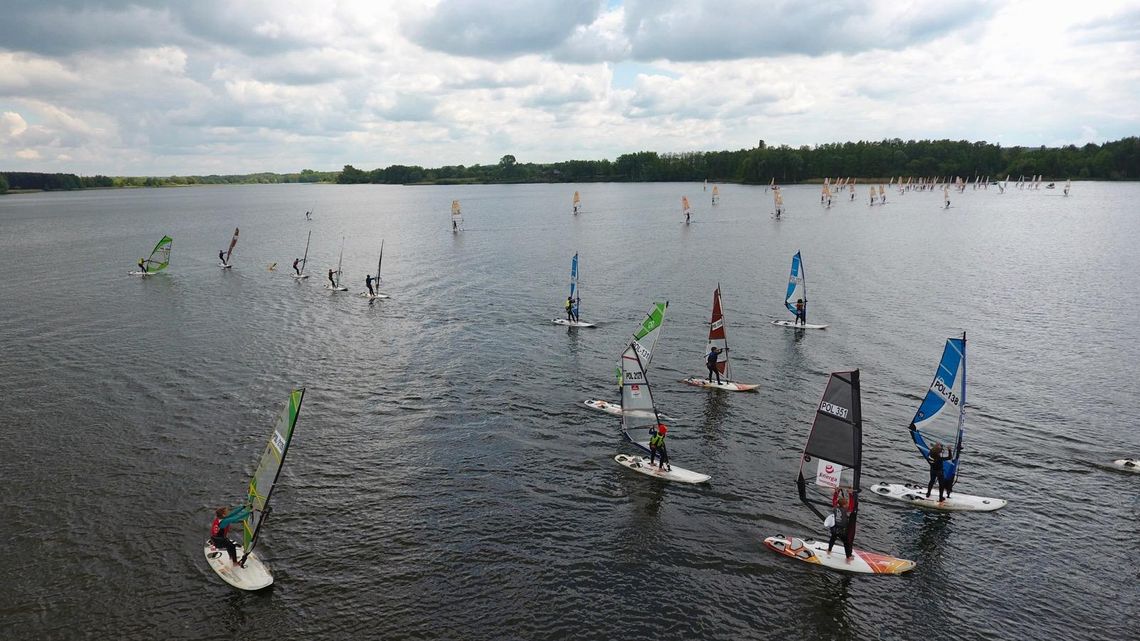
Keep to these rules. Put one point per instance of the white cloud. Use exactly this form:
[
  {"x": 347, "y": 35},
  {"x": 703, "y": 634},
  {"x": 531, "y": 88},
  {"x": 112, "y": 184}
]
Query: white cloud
[{"x": 105, "y": 86}]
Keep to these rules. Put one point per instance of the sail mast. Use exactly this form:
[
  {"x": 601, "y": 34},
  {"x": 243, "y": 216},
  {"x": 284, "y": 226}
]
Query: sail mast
[{"x": 305, "y": 258}]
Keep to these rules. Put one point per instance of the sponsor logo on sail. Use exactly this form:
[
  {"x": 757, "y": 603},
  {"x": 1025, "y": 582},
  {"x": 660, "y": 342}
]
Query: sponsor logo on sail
[{"x": 827, "y": 473}]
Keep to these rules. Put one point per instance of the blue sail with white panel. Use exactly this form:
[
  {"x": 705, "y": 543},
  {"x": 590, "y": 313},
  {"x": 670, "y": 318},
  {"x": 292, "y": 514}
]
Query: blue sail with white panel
[{"x": 947, "y": 391}]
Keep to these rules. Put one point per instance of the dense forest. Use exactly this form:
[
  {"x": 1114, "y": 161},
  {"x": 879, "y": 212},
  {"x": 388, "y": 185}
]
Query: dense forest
[
  {"x": 1117, "y": 160},
  {"x": 50, "y": 182}
]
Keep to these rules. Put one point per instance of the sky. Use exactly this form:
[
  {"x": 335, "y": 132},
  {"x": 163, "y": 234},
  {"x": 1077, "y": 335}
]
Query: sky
[{"x": 174, "y": 87}]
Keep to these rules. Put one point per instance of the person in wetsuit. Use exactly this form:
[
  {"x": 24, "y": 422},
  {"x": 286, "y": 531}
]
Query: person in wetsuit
[
  {"x": 368, "y": 284},
  {"x": 801, "y": 312},
  {"x": 937, "y": 456},
  {"x": 222, "y": 256},
  {"x": 710, "y": 361},
  {"x": 219, "y": 529},
  {"x": 570, "y": 308},
  {"x": 296, "y": 261},
  {"x": 841, "y": 518},
  {"x": 142, "y": 265},
  {"x": 657, "y": 448},
  {"x": 332, "y": 281}
]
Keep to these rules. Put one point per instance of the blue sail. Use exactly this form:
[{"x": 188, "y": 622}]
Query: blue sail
[
  {"x": 947, "y": 390},
  {"x": 574, "y": 294},
  {"x": 797, "y": 288}
]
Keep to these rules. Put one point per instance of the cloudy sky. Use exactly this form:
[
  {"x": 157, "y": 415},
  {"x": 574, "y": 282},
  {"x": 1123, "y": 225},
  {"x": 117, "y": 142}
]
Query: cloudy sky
[{"x": 212, "y": 86}]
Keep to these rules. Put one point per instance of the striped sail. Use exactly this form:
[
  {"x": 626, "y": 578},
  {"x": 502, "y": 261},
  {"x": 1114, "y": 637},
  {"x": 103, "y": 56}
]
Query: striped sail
[
  {"x": 456, "y": 214},
  {"x": 717, "y": 336},
  {"x": 268, "y": 469},
  {"x": 577, "y": 202},
  {"x": 947, "y": 390}
]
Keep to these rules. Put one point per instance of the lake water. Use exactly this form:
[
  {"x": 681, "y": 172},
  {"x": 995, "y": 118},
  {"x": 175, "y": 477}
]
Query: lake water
[{"x": 444, "y": 480}]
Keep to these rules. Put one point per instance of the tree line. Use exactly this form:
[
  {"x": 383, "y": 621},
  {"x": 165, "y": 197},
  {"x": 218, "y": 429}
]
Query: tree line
[
  {"x": 52, "y": 182},
  {"x": 866, "y": 160},
  {"x": 1117, "y": 160}
]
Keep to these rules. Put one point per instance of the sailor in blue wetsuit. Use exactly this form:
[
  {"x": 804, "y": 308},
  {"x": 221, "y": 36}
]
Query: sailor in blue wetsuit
[
  {"x": 223, "y": 519},
  {"x": 711, "y": 360}
]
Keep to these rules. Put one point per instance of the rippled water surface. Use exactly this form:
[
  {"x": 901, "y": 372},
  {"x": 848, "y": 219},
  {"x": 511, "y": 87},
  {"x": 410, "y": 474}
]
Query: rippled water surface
[{"x": 444, "y": 480}]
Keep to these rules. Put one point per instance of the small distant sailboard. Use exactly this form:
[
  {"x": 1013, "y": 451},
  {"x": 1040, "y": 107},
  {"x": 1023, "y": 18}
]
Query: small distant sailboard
[
  {"x": 948, "y": 389},
  {"x": 685, "y": 209},
  {"x": 376, "y": 281},
  {"x": 158, "y": 260},
  {"x": 833, "y": 457},
  {"x": 577, "y": 204},
  {"x": 456, "y": 217},
  {"x": 645, "y": 338},
  {"x": 718, "y": 338},
  {"x": 715, "y": 195},
  {"x": 575, "y": 297},
  {"x": 335, "y": 284},
  {"x": 251, "y": 573},
  {"x": 225, "y": 264},
  {"x": 1131, "y": 465},
  {"x": 639, "y": 413},
  {"x": 862, "y": 562},
  {"x": 797, "y": 290},
  {"x": 300, "y": 273}
]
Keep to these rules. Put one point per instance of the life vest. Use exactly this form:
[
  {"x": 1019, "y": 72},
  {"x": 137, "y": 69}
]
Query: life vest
[{"x": 216, "y": 529}]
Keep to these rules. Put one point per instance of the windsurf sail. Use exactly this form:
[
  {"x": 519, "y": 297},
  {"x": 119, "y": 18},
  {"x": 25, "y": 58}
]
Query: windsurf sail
[
  {"x": 797, "y": 285},
  {"x": 715, "y": 195},
  {"x": 268, "y": 469},
  {"x": 685, "y": 207},
  {"x": 230, "y": 251},
  {"x": 948, "y": 390},
  {"x": 305, "y": 258},
  {"x": 832, "y": 458},
  {"x": 638, "y": 413},
  {"x": 646, "y": 336},
  {"x": 456, "y": 215},
  {"x": 575, "y": 292},
  {"x": 717, "y": 336},
  {"x": 339, "y": 263},
  {"x": 380, "y": 263},
  {"x": 159, "y": 257},
  {"x": 577, "y": 202}
]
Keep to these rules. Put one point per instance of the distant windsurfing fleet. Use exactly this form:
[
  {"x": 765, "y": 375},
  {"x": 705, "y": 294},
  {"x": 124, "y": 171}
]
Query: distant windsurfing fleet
[{"x": 828, "y": 478}]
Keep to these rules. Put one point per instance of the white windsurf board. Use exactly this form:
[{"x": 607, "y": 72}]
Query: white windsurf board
[
  {"x": 794, "y": 325},
  {"x": 563, "y": 321},
  {"x": 916, "y": 495},
  {"x": 728, "y": 386},
  {"x": 861, "y": 561},
  {"x": 254, "y": 575},
  {"x": 641, "y": 465}
]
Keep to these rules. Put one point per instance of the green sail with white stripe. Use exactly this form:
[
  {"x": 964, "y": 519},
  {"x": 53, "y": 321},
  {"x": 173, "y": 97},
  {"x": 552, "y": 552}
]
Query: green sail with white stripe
[
  {"x": 159, "y": 257},
  {"x": 268, "y": 468}
]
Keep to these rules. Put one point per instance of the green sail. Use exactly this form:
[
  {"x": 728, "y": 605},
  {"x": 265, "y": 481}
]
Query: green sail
[
  {"x": 159, "y": 257},
  {"x": 261, "y": 485}
]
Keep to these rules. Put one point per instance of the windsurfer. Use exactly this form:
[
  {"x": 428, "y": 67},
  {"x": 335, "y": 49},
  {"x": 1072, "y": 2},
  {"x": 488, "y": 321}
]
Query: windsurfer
[
  {"x": 142, "y": 265},
  {"x": 937, "y": 472},
  {"x": 657, "y": 448},
  {"x": 570, "y": 308},
  {"x": 839, "y": 521},
  {"x": 801, "y": 312},
  {"x": 332, "y": 281},
  {"x": 368, "y": 284},
  {"x": 222, "y": 256},
  {"x": 711, "y": 360},
  {"x": 296, "y": 261},
  {"x": 223, "y": 519}
]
